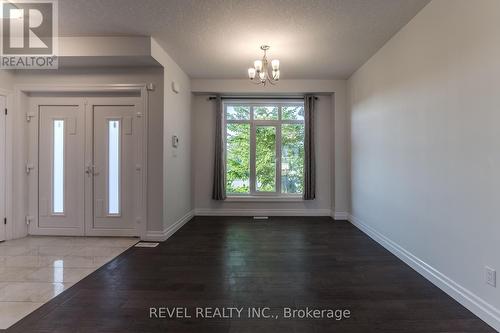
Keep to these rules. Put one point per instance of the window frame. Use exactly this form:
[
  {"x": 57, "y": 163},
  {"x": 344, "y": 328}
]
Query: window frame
[{"x": 254, "y": 123}]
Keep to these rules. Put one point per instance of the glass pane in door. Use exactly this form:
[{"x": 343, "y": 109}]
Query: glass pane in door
[
  {"x": 58, "y": 168},
  {"x": 114, "y": 167}
]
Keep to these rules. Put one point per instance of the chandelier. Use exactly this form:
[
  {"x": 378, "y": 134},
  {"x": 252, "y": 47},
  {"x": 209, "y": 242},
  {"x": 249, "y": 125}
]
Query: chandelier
[{"x": 260, "y": 73}]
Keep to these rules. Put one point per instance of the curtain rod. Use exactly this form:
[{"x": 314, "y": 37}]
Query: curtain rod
[{"x": 254, "y": 97}]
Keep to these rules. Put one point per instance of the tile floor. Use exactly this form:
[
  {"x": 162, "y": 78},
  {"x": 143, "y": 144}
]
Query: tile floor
[{"x": 35, "y": 269}]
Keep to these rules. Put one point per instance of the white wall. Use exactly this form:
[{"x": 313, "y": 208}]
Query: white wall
[
  {"x": 141, "y": 75},
  {"x": 178, "y": 201},
  {"x": 332, "y": 192},
  {"x": 6, "y": 79},
  {"x": 425, "y": 146}
]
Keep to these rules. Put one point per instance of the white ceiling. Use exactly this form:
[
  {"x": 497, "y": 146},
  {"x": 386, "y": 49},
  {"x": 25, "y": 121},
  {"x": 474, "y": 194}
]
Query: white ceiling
[{"x": 314, "y": 39}]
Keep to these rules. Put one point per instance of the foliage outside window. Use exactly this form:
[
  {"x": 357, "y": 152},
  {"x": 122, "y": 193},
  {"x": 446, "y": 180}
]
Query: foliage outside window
[{"x": 264, "y": 147}]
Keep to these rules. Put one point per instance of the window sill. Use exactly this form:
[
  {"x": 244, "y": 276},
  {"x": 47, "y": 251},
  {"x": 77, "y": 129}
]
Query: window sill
[{"x": 263, "y": 198}]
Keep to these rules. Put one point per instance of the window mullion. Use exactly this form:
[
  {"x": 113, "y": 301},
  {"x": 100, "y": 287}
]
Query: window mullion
[
  {"x": 292, "y": 122},
  {"x": 237, "y": 122},
  {"x": 278, "y": 149},
  {"x": 266, "y": 122},
  {"x": 252, "y": 158},
  {"x": 224, "y": 142},
  {"x": 278, "y": 159}
]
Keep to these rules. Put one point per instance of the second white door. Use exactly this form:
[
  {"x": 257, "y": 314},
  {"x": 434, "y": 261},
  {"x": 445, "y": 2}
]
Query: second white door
[{"x": 117, "y": 168}]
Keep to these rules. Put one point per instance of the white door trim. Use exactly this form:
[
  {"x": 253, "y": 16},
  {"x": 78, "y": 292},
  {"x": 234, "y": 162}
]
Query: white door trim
[
  {"x": 3, "y": 164},
  {"x": 80, "y": 88},
  {"x": 9, "y": 229},
  {"x": 26, "y": 89}
]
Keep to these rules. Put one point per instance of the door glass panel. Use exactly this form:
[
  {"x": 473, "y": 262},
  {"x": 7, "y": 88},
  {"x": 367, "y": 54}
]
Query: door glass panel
[
  {"x": 58, "y": 168},
  {"x": 113, "y": 167},
  {"x": 292, "y": 158},
  {"x": 265, "y": 159}
]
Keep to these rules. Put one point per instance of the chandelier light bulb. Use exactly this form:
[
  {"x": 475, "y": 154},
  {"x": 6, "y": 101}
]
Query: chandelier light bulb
[
  {"x": 276, "y": 64},
  {"x": 258, "y": 65},
  {"x": 262, "y": 76},
  {"x": 276, "y": 74},
  {"x": 251, "y": 73}
]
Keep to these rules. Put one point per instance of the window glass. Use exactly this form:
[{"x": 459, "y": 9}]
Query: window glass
[
  {"x": 58, "y": 168},
  {"x": 238, "y": 112},
  {"x": 292, "y": 158},
  {"x": 292, "y": 112},
  {"x": 265, "y": 158},
  {"x": 238, "y": 158},
  {"x": 262, "y": 112}
]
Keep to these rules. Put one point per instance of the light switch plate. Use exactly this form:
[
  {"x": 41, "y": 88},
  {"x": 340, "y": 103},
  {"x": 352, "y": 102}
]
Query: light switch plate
[
  {"x": 175, "y": 87},
  {"x": 491, "y": 276}
]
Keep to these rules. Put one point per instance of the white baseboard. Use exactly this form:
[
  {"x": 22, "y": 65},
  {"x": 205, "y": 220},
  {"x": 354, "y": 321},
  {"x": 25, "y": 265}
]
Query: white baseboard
[
  {"x": 340, "y": 216},
  {"x": 471, "y": 301},
  {"x": 263, "y": 212},
  {"x": 160, "y": 236}
]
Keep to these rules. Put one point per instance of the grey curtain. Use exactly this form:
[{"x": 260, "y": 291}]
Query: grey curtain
[
  {"x": 309, "y": 154},
  {"x": 219, "y": 186}
]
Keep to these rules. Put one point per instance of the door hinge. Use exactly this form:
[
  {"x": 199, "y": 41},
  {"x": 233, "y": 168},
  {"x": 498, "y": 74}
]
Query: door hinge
[
  {"x": 28, "y": 219},
  {"x": 6, "y": 112},
  {"x": 4, "y": 220},
  {"x": 29, "y": 115},
  {"x": 29, "y": 167}
]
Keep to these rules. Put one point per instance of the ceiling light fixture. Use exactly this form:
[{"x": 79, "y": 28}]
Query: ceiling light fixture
[{"x": 260, "y": 73}]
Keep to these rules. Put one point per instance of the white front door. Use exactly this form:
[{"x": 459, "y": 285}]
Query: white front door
[
  {"x": 3, "y": 165},
  {"x": 89, "y": 154},
  {"x": 116, "y": 166},
  {"x": 61, "y": 167}
]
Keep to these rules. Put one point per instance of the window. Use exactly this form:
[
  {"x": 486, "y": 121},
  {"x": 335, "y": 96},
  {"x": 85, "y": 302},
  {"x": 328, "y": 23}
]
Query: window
[{"x": 264, "y": 147}]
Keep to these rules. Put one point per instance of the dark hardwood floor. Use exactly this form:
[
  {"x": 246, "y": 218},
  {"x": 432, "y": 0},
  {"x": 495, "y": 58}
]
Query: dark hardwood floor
[{"x": 237, "y": 262}]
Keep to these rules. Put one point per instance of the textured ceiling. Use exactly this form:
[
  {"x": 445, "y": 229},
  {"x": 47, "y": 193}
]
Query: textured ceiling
[{"x": 314, "y": 39}]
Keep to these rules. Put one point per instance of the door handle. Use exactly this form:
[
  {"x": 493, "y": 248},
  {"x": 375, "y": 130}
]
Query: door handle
[{"x": 90, "y": 170}]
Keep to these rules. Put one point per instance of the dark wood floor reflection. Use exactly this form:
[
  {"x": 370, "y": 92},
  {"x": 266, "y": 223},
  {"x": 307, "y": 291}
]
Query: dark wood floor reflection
[{"x": 284, "y": 262}]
